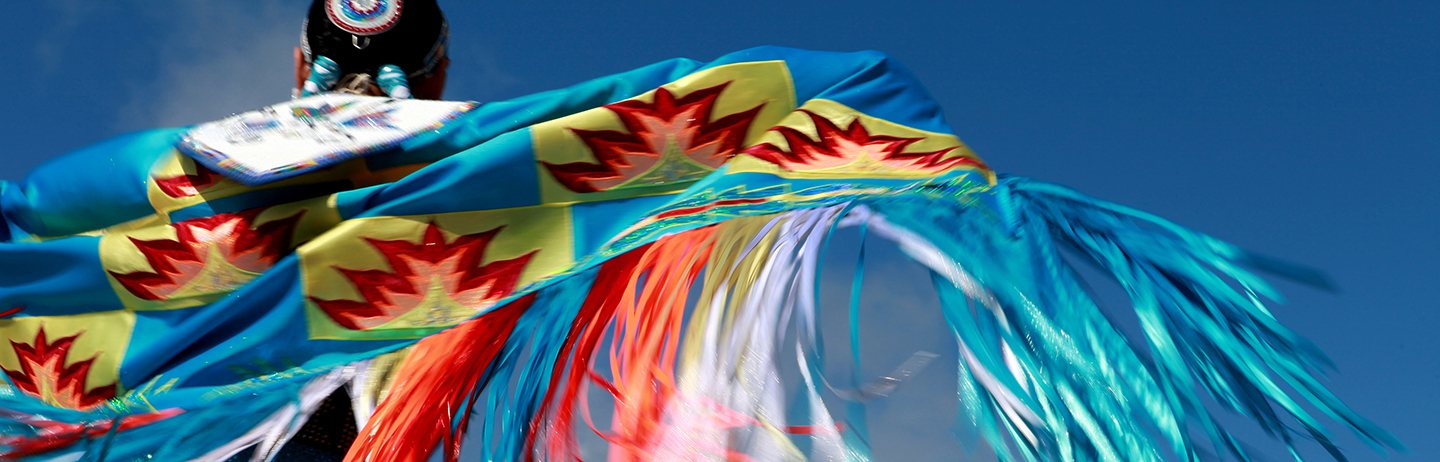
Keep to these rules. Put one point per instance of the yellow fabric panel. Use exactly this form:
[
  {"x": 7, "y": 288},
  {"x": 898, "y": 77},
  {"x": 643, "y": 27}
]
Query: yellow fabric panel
[
  {"x": 861, "y": 159},
  {"x": 226, "y": 267},
  {"x": 539, "y": 235},
  {"x": 746, "y": 86},
  {"x": 176, "y": 181},
  {"x": 100, "y": 337}
]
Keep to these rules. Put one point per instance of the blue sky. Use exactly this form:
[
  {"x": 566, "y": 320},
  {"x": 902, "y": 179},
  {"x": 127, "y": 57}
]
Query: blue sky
[{"x": 1302, "y": 130}]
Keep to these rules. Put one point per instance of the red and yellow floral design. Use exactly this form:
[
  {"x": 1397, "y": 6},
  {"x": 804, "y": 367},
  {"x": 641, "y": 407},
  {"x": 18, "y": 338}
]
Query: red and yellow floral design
[
  {"x": 853, "y": 148},
  {"x": 67, "y": 361},
  {"x": 411, "y": 276},
  {"x": 177, "y": 182},
  {"x": 208, "y": 255},
  {"x": 663, "y": 140},
  {"x": 186, "y": 185},
  {"x": 197, "y": 261},
  {"x": 826, "y": 139},
  {"x": 669, "y": 139},
  {"x": 436, "y": 275},
  {"x": 46, "y": 373}
]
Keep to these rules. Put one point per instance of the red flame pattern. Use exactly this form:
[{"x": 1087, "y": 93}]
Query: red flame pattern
[
  {"x": 227, "y": 236},
  {"x": 662, "y": 135},
  {"x": 838, "y": 147},
  {"x": 423, "y": 274},
  {"x": 43, "y": 373},
  {"x": 187, "y": 185}
]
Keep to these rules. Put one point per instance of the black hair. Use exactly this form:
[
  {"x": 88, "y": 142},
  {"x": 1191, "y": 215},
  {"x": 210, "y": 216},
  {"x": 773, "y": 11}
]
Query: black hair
[{"x": 415, "y": 43}]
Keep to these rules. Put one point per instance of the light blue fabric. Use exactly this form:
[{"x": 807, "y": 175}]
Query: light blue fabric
[
  {"x": 89, "y": 188},
  {"x": 1096, "y": 395}
]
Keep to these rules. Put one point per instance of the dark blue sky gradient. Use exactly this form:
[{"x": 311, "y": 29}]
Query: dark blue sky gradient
[{"x": 1308, "y": 131}]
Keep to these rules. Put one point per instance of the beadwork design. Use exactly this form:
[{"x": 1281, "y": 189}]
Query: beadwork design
[{"x": 364, "y": 17}]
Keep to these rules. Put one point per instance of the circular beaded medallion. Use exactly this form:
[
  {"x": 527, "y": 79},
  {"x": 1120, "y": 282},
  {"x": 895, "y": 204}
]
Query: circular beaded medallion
[{"x": 364, "y": 17}]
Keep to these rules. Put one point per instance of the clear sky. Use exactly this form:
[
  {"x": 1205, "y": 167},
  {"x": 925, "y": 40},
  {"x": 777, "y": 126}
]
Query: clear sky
[{"x": 1308, "y": 131}]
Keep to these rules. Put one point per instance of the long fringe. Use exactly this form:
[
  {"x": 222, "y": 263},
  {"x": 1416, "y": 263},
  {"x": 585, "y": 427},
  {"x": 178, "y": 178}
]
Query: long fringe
[
  {"x": 642, "y": 297},
  {"x": 434, "y": 390},
  {"x": 1199, "y": 327},
  {"x": 1044, "y": 374}
]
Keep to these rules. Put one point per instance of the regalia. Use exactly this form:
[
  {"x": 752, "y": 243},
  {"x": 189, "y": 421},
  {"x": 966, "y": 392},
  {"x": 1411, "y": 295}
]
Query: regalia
[{"x": 655, "y": 235}]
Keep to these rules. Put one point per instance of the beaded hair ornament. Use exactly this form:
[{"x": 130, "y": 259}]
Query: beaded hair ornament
[{"x": 365, "y": 21}]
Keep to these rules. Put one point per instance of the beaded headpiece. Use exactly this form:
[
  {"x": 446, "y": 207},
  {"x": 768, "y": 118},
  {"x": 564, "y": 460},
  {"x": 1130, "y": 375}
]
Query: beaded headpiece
[
  {"x": 364, "y": 17},
  {"x": 360, "y": 36}
]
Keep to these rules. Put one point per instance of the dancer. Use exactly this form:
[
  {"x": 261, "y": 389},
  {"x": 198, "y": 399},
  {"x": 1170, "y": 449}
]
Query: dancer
[
  {"x": 172, "y": 312},
  {"x": 354, "y": 48}
]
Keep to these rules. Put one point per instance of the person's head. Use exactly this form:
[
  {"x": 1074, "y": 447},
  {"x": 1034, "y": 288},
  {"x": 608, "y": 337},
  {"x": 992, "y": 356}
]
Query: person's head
[{"x": 362, "y": 35}]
